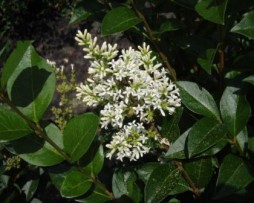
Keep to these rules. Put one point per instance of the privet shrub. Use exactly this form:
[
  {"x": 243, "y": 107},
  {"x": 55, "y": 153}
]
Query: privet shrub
[{"x": 170, "y": 119}]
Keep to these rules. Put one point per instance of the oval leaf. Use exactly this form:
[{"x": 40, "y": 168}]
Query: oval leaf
[
  {"x": 75, "y": 184},
  {"x": 204, "y": 134},
  {"x": 198, "y": 99},
  {"x": 118, "y": 20},
  {"x": 31, "y": 84},
  {"x": 37, "y": 152},
  {"x": 211, "y": 10},
  {"x": 164, "y": 180},
  {"x": 12, "y": 126},
  {"x": 235, "y": 110},
  {"x": 79, "y": 134},
  {"x": 234, "y": 175},
  {"x": 245, "y": 26}
]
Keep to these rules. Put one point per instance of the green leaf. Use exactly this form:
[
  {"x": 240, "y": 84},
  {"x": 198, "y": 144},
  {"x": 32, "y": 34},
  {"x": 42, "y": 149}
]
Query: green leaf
[
  {"x": 198, "y": 99},
  {"x": 213, "y": 11},
  {"x": 97, "y": 196},
  {"x": 12, "y": 126},
  {"x": 251, "y": 144},
  {"x": 206, "y": 62},
  {"x": 200, "y": 171},
  {"x": 144, "y": 171},
  {"x": 242, "y": 139},
  {"x": 30, "y": 188},
  {"x": 75, "y": 184},
  {"x": 235, "y": 110},
  {"x": 204, "y": 135},
  {"x": 118, "y": 20},
  {"x": 249, "y": 79},
  {"x": 169, "y": 125},
  {"x": 177, "y": 149},
  {"x": 79, "y": 15},
  {"x": 38, "y": 152},
  {"x": 79, "y": 134},
  {"x": 94, "y": 165},
  {"x": 245, "y": 26},
  {"x": 17, "y": 59},
  {"x": 31, "y": 83},
  {"x": 165, "y": 180},
  {"x": 123, "y": 183},
  {"x": 170, "y": 25},
  {"x": 234, "y": 175}
]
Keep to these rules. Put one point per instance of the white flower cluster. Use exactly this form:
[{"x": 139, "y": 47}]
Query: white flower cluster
[{"x": 132, "y": 87}]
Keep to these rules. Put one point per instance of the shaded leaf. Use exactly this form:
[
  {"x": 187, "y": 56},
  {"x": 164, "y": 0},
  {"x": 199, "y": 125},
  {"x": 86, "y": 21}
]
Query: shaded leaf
[
  {"x": 118, "y": 20},
  {"x": 31, "y": 84},
  {"x": 123, "y": 183},
  {"x": 198, "y": 99},
  {"x": 165, "y": 180},
  {"x": 79, "y": 134},
  {"x": 38, "y": 152},
  {"x": 249, "y": 79},
  {"x": 206, "y": 62},
  {"x": 204, "y": 135},
  {"x": 169, "y": 126},
  {"x": 200, "y": 171},
  {"x": 234, "y": 175},
  {"x": 242, "y": 139},
  {"x": 170, "y": 25},
  {"x": 144, "y": 171},
  {"x": 213, "y": 11},
  {"x": 75, "y": 184},
  {"x": 12, "y": 126},
  {"x": 235, "y": 110},
  {"x": 177, "y": 149},
  {"x": 79, "y": 15},
  {"x": 245, "y": 26},
  {"x": 30, "y": 188},
  {"x": 97, "y": 195}
]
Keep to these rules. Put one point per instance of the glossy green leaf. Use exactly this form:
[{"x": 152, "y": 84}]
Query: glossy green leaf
[
  {"x": 198, "y": 99},
  {"x": 75, "y": 184},
  {"x": 16, "y": 60},
  {"x": 79, "y": 134},
  {"x": 94, "y": 165},
  {"x": 12, "y": 126},
  {"x": 245, "y": 26},
  {"x": 96, "y": 196},
  {"x": 118, "y": 20},
  {"x": 177, "y": 150},
  {"x": 165, "y": 180},
  {"x": 31, "y": 83},
  {"x": 213, "y": 11},
  {"x": 249, "y": 79},
  {"x": 206, "y": 62},
  {"x": 38, "y": 152},
  {"x": 242, "y": 139},
  {"x": 30, "y": 188},
  {"x": 123, "y": 183},
  {"x": 235, "y": 110},
  {"x": 169, "y": 126},
  {"x": 234, "y": 175},
  {"x": 204, "y": 135},
  {"x": 200, "y": 171}
]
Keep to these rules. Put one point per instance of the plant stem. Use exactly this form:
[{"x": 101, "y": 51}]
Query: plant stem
[
  {"x": 35, "y": 126},
  {"x": 154, "y": 42},
  {"x": 103, "y": 187},
  {"x": 187, "y": 178}
]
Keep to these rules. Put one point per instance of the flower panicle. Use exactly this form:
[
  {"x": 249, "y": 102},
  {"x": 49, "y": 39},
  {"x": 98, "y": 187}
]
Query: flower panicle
[{"x": 133, "y": 88}]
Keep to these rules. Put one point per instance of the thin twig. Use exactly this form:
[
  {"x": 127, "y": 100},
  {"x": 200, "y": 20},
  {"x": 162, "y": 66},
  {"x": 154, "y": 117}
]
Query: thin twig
[
  {"x": 154, "y": 42},
  {"x": 187, "y": 178}
]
